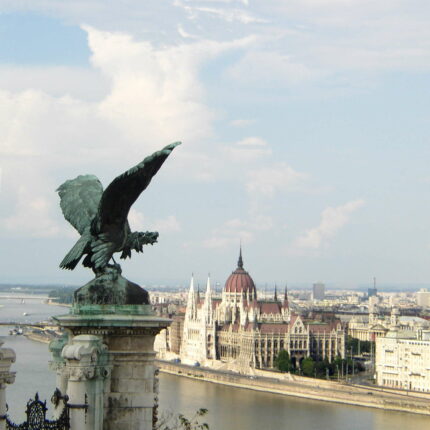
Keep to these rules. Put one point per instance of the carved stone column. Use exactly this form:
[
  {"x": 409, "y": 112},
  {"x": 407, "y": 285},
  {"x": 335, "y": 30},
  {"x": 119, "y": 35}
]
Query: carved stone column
[
  {"x": 128, "y": 331},
  {"x": 86, "y": 369},
  {"x": 57, "y": 365},
  {"x": 7, "y": 357}
]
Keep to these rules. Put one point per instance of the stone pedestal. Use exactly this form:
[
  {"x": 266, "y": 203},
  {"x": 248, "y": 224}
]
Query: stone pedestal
[
  {"x": 86, "y": 369},
  {"x": 7, "y": 357},
  {"x": 128, "y": 333}
]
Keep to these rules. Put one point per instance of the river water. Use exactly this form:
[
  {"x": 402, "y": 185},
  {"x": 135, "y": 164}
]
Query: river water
[{"x": 229, "y": 408}]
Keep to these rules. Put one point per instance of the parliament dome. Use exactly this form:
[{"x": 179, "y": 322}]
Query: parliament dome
[{"x": 240, "y": 281}]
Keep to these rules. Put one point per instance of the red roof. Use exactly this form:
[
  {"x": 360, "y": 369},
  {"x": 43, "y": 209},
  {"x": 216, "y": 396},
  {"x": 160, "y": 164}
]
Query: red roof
[
  {"x": 239, "y": 281},
  {"x": 273, "y": 328},
  {"x": 236, "y": 327},
  {"x": 270, "y": 308},
  {"x": 321, "y": 328}
]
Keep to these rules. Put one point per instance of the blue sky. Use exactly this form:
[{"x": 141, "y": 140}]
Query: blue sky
[{"x": 305, "y": 128}]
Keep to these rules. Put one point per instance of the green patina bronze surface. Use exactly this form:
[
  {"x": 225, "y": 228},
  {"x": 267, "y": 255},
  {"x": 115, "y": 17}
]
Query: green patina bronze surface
[
  {"x": 100, "y": 216},
  {"x": 102, "y": 317},
  {"x": 95, "y": 310}
]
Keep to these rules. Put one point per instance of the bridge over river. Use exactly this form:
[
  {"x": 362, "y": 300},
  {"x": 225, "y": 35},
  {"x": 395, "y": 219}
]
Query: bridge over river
[{"x": 25, "y": 297}]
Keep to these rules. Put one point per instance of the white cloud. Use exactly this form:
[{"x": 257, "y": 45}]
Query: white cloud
[
  {"x": 77, "y": 82},
  {"x": 60, "y": 129},
  {"x": 252, "y": 141},
  {"x": 156, "y": 93},
  {"x": 225, "y": 13},
  {"x": 271, "y": 69},
  {"x": 185, "y": 34},
  {"x": 247, "y": 150},
  {"x": 139, "y": 222},
  {"x": 153, "y": 97},
  {"x": 32, "y": 216},
  {"x": 166, "y": 225},
  {"x": 332, "y": 221},
  {"x": 136, "y": 220},
  {"x": 257, "y": 223},
  {"x": 40, "y": 134},
  {"x": 268, "y": 180},
  {"x": 234, "y": 231},
  {"x": 225, "y": 242}
]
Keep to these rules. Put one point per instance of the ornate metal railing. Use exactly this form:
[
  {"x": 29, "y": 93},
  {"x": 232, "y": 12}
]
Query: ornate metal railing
[{"x": 36, "y": 415}]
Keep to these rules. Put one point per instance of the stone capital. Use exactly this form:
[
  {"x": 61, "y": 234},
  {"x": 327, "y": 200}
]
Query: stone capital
[
  {"x": 56, "y": 366},
  {"x": 85, "y": 348},
  {"x": 7, "y": 357},
  {"x": 85, "y": 358}
]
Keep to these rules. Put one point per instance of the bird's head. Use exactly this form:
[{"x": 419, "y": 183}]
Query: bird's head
[{"x": 143, "y": 238}]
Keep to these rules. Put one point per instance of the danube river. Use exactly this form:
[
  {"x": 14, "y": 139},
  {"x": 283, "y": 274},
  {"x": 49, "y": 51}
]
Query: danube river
[{"x": 229, "y": 408}]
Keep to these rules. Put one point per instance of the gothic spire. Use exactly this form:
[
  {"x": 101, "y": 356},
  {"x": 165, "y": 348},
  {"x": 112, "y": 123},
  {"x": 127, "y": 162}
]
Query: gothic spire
[
  {"x": 208, "y": 284},
  {"x": 276, "y": 294},
  {"x": 286, "y": 296},
  {"x": 191, "y": 302},
  {"x": 240, "y": 261},
  {"x": 192, "y": 283}
]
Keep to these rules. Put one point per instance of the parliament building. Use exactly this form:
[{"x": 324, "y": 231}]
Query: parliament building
[{"x": 240, "y": 330}]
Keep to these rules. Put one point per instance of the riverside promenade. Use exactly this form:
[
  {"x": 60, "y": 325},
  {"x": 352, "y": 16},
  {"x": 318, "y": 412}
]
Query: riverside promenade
[{"x": 309, "y": 388}]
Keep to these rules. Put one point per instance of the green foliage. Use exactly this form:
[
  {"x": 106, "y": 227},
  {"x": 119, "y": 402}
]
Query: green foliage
[
  {"x": 283, "y": 361},
  {"x": 323, "y": 368},
  {"x": 357, "y": 346},
  {"x": 181, "y": 422},
  {"x": 62, "y": 295},
  {"x": 308, "y": 366}
]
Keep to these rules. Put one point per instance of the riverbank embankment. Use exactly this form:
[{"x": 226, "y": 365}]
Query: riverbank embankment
[
  {"x": 315, "y": 389},
  {"x": 39, "y": 337}
]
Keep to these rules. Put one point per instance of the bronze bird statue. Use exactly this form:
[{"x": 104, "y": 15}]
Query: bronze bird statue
[{"x": 101, "y": 216}]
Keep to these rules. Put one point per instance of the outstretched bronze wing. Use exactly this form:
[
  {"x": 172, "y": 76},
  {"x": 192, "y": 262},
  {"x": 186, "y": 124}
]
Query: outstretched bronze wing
[
  {"x": 124, "y": 190},
  {"x": 80, "y": 198}
]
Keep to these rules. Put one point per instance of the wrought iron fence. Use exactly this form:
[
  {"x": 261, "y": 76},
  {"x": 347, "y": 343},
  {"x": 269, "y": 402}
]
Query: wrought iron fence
[{"x": 36, "y": 415}]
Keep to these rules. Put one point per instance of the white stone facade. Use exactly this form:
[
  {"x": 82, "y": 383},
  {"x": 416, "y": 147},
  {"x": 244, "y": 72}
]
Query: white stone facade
[
  {"x": 198, "y": 340},
  {"x": 403, "y": 360},
  {"x": 423, "y": 298}
]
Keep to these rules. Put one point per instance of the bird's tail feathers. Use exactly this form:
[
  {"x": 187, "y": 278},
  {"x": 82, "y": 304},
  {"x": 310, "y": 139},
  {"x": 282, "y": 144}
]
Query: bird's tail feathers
[{"x": 74, "y": 255}]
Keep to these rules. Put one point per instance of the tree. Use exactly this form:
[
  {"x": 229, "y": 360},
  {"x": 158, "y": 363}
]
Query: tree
[
  {"x": 357, "y": 346},
  {"x": 62, "y": 295},
  {"x": 283, "y": 361},
  {"x": 181, "y": 422},
  {"x": 308, "y": 366}
]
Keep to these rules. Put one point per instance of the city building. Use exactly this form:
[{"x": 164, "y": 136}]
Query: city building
[
  {"x": 318, "y": 291},
  {"x": 245, "y": 332},
  {"x": 372, "y": 326},
  {"x": 372, "y": 292},
  {"x": 423, "y": 298},
  {"x": 403, "y": 360}
]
